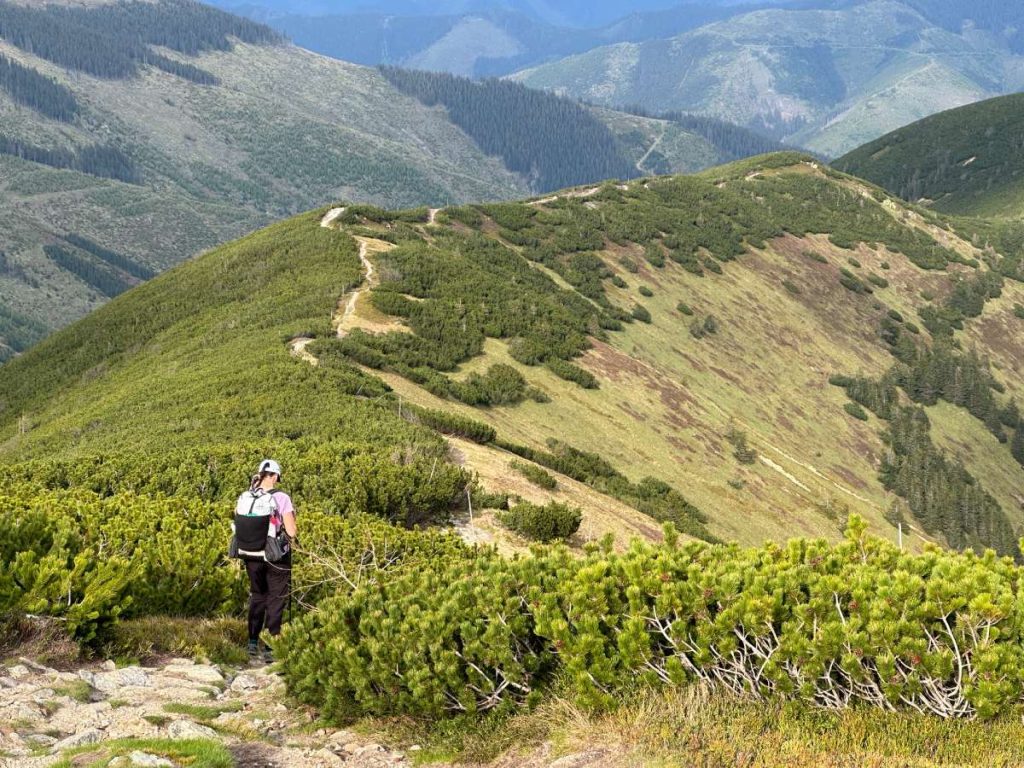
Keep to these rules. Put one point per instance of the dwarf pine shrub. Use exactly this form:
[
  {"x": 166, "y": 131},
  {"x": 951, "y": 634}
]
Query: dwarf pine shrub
[
  {"x": 93, "y": 541},
  {"x": 832, "y": 625},
  {"x": 534, "y": 474},
  {"x": 572, "y": 372},
  {"x": 542, "y": 522}
]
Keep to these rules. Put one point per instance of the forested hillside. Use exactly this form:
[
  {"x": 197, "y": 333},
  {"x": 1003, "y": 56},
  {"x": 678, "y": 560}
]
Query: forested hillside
[
  {"x": 155, "y": 130},
  {"x": 564, "y": 142},
  {"x": 553, "y": 142},
  {"x": 26, "y": 86},
  {"x": 113, "y": 40},
  {"x": 965, "y": 161}
]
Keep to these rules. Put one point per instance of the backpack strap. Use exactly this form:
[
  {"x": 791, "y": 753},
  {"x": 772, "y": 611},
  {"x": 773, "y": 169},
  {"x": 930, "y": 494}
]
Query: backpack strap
[{"x": 255, "y": 498}]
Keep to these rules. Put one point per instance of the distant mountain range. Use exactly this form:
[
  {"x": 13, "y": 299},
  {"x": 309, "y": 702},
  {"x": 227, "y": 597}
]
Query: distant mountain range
[
  {"x": 828, "y": 80},
  {"x": 827, "y": 75},
  {"x": 576, "y": 14},
  {"x": 479, "y": 39}
]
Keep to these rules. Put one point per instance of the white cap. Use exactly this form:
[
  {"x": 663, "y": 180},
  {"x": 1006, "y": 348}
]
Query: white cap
[{"x": 269, "y": 465}]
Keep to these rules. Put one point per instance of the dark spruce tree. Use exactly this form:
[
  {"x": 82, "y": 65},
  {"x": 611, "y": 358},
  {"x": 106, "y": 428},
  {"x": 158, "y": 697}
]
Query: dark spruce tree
[
  {"x": 553, "y": 141},
  {"x": 96, "y": 275},
  {"x": 96, "y": 160},
  {"x": 30, "y": 88},
  {"x": 113, "y": 40},
  {"x": 1017, "y": 445}
]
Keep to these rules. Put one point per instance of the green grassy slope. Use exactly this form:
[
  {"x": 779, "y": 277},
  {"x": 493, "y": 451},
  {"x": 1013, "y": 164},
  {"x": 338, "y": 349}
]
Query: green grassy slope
[
  {"x": 964, "y": 161},
  {"x": 196, "y": 356},
  {"x": 828, "y": 80},
  {"x": 755, "y": 277}
]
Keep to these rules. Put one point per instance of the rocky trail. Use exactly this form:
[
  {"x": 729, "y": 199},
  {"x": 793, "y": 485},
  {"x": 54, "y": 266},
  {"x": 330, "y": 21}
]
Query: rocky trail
[
  {"x": 44, "y": 712},
  {"x": 85, "y": 716}
]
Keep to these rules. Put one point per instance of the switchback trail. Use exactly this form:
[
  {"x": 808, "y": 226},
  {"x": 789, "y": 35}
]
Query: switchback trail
[
  {"x": 369, "y": 277},
  {"x": 347, "y": 304},
  {"x": 650, "y": 149}
]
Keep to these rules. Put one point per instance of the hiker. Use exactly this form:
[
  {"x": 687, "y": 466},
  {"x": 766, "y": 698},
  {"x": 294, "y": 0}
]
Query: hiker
[{"x": 264, "y": 528}]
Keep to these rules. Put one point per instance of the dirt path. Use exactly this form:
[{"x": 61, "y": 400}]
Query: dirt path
[
  {"x": 589, "y": 192},
  {"x": 341, "y": 321},
  {"x": 330, "y": 217},
  {"x": 654, "y": 146},
  {"x": 346, "y": 309},
  {"x": 341, "y": 318},
  {"x": 298, "y": 346},
  {"x": 432, "y": 215}
]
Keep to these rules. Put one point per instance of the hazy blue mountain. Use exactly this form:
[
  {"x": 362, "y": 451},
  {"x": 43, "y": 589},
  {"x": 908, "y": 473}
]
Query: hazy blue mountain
[
  {"x": 479, "y": 40},
  {"x": 568, "y": 13},
  {"x": 829, "y": 78}
]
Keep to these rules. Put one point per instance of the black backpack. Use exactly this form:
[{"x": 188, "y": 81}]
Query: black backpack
[{"x": 251, "y": 538}]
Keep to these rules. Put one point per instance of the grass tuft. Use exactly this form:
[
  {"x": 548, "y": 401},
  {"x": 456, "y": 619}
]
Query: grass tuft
[
  {"x": 697, "y": 726},
  {"x": 148, "y": 639},
  {"x": 79, "y": 690},
  {"x": 194, "y": 753}
]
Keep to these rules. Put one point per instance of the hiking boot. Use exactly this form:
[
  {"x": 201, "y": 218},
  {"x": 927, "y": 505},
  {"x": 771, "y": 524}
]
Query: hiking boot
[
  {"x": 268, "y": 654},
  {"x": 254, "y": 650}
]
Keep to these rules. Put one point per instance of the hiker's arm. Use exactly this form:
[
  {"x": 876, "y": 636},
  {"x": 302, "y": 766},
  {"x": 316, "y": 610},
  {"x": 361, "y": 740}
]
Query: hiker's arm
[{"x": 289, "y": 524}]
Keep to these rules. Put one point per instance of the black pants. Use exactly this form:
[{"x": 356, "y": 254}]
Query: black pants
[{"x": 269, "y": 585}]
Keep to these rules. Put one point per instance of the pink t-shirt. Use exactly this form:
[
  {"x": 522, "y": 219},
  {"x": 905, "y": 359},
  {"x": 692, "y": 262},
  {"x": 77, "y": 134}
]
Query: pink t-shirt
[
  {"x": 282, "y": 506},
  {"x": 284, "y": 503}
]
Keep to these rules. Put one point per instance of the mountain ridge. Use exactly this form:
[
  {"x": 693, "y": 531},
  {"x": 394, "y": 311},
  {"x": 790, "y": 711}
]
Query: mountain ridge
[{"x": 627, "y": 329}]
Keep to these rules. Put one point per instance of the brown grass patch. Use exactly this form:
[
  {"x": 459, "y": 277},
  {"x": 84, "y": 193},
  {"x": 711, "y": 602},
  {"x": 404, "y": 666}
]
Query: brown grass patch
[{"x": 41, "y": 638}]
